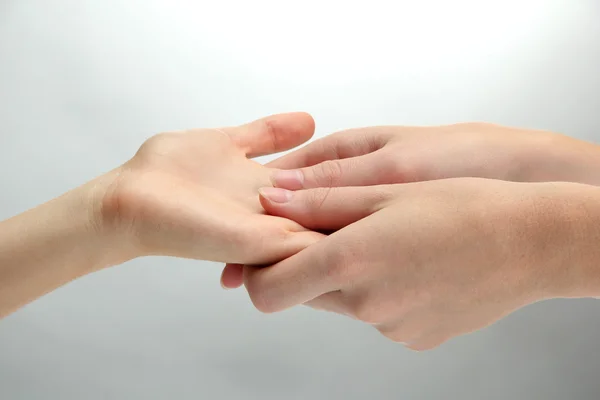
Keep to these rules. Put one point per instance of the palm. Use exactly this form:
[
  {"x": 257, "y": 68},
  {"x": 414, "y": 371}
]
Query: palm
[{"x": 194, "y": 194}]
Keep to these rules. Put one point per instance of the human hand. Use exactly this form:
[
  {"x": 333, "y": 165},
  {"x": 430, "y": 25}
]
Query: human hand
[
  {"x": 193, "y": 194},
  {"x": 395, "y": 154},
  {"x": 424, "y": 262},
  {"x": 189, "y": 194}
]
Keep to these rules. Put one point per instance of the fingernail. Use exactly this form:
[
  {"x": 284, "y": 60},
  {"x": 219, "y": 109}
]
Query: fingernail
[
  {"x": 276, "y": 195},
  {"x": 288, "y": 179}
]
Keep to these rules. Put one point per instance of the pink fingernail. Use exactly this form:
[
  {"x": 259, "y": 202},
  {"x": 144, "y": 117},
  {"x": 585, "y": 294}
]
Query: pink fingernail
[
  {"x": 276, "y": 195},
  {"x": 288, "y": 179}
]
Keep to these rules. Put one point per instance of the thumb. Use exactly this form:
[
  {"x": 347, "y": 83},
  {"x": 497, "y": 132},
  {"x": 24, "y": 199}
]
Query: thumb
[
  {"x": 326, "y": 208},
  {"x": 273, "y": 134}
]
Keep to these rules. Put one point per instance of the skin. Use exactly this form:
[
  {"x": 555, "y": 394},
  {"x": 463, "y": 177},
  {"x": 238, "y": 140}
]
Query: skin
[
  {"x": 424, "y": 262},
  {"x": 437, "y": 231},
  {"x": 396, "y": 154},
  {"x": 190, "y": 194},
  {"x": 421, "y": 256}
]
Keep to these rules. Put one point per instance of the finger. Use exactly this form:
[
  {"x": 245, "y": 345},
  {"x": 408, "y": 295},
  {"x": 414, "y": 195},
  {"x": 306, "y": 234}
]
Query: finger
[
  {"x": 232, "y": 276},
  {"x": 295, "y": 280},
  {"x": 337, "y": 146},
  {"x": 326, "y": 208},
  {"x": 273, "y": 134},
  {"x": 269, "y": 249},
  {"x": 377, "y": 168}
]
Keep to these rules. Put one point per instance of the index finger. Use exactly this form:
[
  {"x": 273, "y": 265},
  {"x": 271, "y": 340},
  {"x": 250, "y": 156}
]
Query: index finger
[{"x": 337, "y": 146}]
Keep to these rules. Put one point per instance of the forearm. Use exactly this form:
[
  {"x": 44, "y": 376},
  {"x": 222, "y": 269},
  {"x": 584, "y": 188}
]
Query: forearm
[{"x": 51, "y": 245}]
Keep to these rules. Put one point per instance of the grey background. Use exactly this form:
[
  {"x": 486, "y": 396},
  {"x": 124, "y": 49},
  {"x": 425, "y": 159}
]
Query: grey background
[{"x": 83, "y": 83}]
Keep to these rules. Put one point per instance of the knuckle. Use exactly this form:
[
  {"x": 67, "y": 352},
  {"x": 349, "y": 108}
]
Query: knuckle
[
  {"x": 270, "y": 130},
  {"x": 328, "y": 173},
  {"x": 373, "y": 142},
  {"x": 316, "y": 198},
  {"x": 329, "y": 146},
  {"x": 405, "y": 169},
  {"x": 381, "y": 196}
]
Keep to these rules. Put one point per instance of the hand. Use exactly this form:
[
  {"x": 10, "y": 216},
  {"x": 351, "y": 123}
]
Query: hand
[
  {"x": 424, "y": 262},
  {"x": 386, "y": 155},
  {"x": 395, "y": 154},
  {"x": 193, "y": 194},
  {"x": 189, "y": 194}
]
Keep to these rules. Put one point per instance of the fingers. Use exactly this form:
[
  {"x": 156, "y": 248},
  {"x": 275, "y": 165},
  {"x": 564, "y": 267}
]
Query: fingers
[
  {"x": 326, "y": 208},
  {"x": 377, "y": 168},
  {"x": 337, "y": 146},
  {"x": 264, "y": 245},
  {"x": 273, "y": 134},
  {"x": 268, "y": 249},
  {"x": 295, "y": 280},
  {"x": 232, "y": 276}
]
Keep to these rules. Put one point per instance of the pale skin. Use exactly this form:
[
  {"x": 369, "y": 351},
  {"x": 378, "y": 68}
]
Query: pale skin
[
  {"x": 438, "y": 231},
  {"x": 190, "y": 194}
]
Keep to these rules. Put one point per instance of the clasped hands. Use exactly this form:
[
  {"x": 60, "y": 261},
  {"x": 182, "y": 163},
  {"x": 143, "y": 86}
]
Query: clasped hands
[{"x": 425, "y": 233}]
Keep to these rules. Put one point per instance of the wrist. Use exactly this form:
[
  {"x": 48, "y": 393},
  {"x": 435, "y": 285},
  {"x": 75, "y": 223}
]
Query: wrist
[{"x": 103, "y": 216}]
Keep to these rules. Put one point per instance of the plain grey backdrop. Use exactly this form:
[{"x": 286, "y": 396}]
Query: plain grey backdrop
[{"x": 84, "y": 83}]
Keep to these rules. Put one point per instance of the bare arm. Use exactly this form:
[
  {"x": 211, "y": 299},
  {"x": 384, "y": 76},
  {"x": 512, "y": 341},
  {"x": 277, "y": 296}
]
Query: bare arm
[
  {"x": 190, "y": 194},
  {"x": 52, "y": 244}
]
